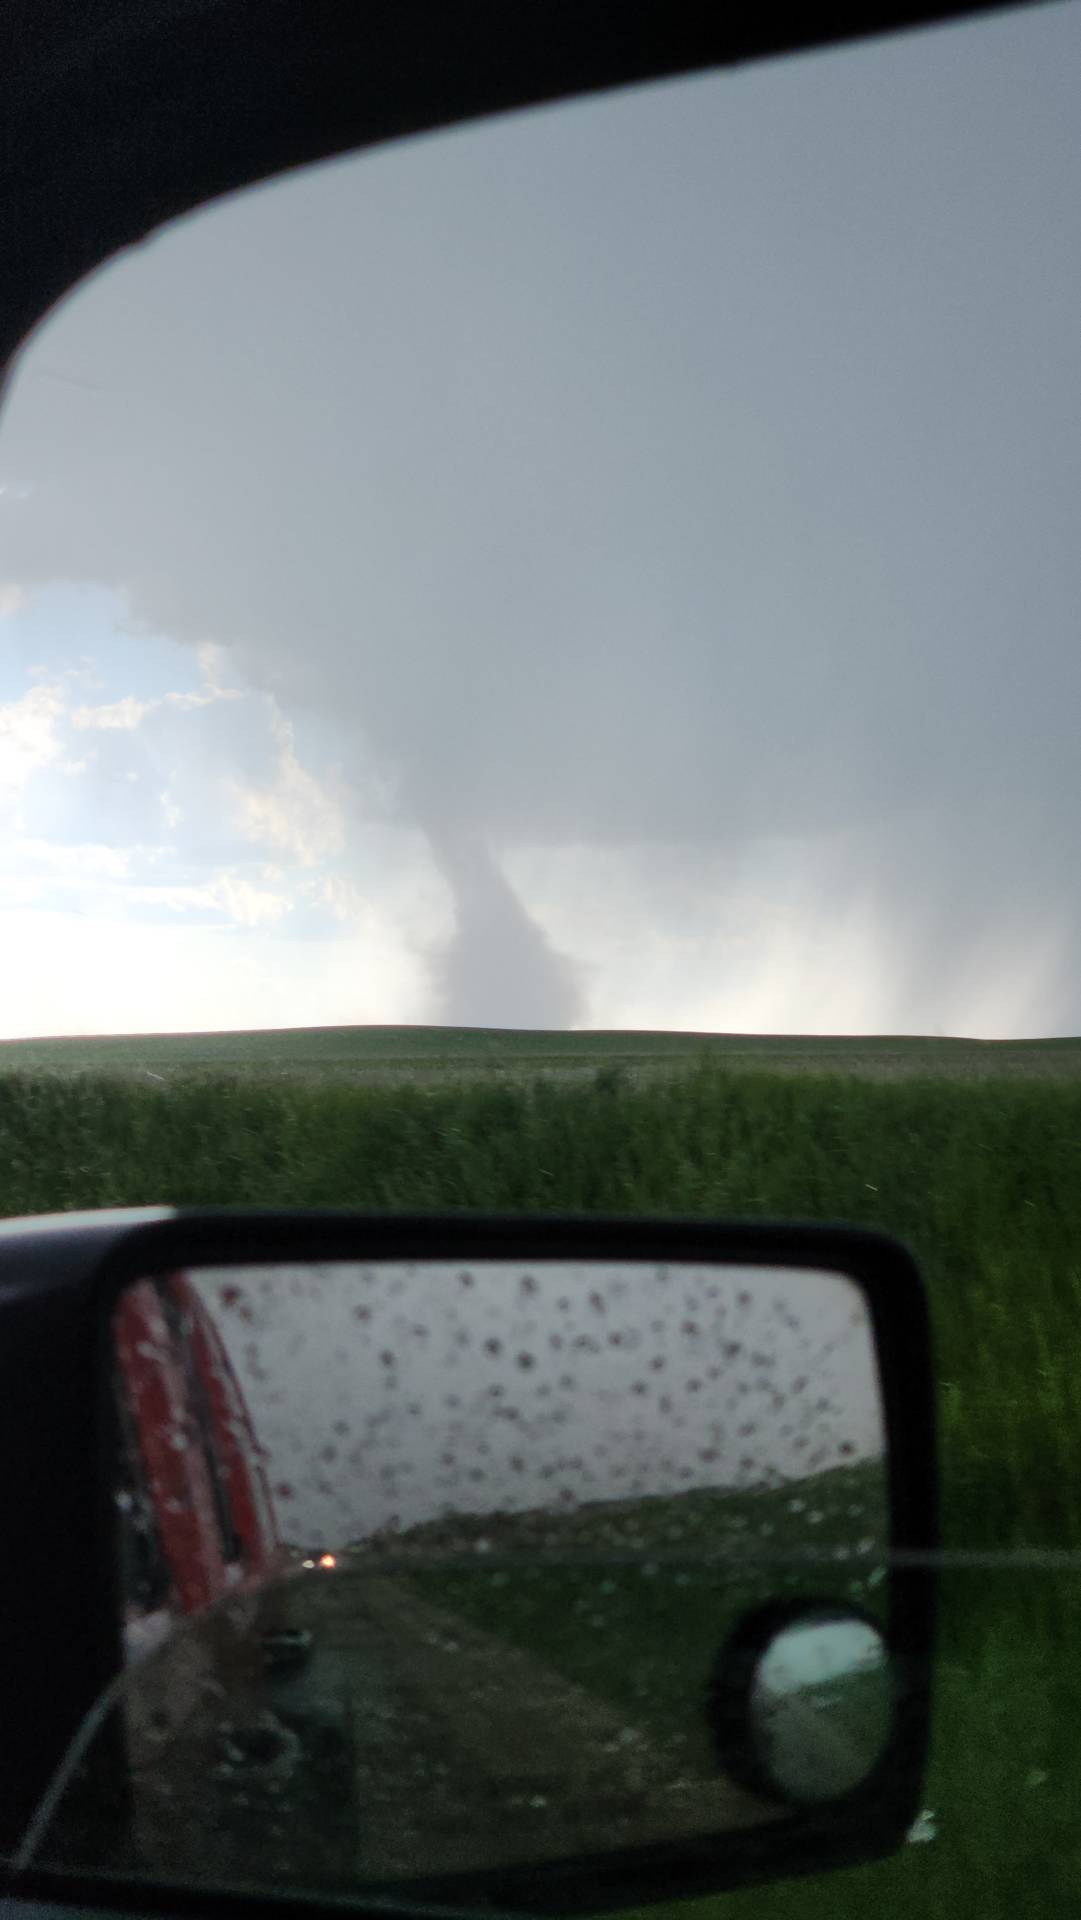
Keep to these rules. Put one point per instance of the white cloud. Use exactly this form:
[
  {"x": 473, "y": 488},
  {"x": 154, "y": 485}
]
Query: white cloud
[
  {"x": 130, "y": 832},
  {"x": 123, "y": 714},
  {"x": 337, "y": 895},
  {"x": 91, "y": 861},
  {"x": 12, "y": 598},
  {"x": 246, "y": 904},
  {"x": 214, "y": 666},
  {"x": 227, "y": 896},
  {"x": 30, "y": 739},
  {"x": 293, "y": 812},
  {"x": 155, "y": 780},
  {"x": 128, "y": 713},
  {"x": 138, "y": 772}
]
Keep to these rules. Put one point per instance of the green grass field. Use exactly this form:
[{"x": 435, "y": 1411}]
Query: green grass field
[
  {"x": 972, "y": 1154},
  {"x": 388, "y": 1055}
]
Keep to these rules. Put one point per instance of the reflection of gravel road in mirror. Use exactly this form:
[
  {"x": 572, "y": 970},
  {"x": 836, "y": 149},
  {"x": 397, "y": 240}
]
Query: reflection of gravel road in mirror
[
  {"x": 426, "y": 1745},
  {"x": 548, "y": 1768}
]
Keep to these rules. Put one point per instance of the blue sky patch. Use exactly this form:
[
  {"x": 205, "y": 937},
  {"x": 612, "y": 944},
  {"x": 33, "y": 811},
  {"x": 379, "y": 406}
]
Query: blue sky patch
[{"x": 65, "y": 627}]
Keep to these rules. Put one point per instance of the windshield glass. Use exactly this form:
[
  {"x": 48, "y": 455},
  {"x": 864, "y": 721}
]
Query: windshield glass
[{"x": 538, "y": 669}]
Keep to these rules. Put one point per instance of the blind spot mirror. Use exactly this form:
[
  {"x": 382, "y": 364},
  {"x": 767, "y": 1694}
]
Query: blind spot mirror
[{"x": 805, "y": 1702}]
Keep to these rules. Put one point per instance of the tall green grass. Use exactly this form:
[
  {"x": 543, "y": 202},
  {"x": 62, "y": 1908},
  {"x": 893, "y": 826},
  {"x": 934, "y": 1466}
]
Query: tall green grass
[{"x": 982, "y": 1180}]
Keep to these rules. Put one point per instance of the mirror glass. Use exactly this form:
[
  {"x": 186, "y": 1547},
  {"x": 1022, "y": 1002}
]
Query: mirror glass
[
  {"x": 424, "y": 1568},
  {"x": 822, "y": 1706}
]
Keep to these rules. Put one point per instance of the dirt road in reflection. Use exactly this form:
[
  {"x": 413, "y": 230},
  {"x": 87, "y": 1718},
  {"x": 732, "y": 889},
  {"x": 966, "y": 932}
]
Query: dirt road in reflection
[{"x": 411, "y": 1743}]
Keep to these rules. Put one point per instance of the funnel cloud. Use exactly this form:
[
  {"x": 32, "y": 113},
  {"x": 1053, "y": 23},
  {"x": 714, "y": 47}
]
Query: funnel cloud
[{"x": 498, "y": 962}]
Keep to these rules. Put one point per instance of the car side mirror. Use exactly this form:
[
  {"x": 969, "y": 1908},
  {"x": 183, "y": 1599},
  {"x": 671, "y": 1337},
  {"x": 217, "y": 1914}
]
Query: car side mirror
[{"x": 553, "y": 1565}]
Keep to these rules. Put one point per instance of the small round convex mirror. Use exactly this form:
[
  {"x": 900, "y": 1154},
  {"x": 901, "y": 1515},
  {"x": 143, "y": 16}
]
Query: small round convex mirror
[{"x": 803, "y": 1702}]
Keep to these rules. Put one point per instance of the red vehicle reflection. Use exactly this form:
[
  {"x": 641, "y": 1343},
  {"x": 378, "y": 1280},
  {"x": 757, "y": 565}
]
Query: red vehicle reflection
[
  {"x": 206, "y": 1627},
  {"x": 198, "y": 1520}
]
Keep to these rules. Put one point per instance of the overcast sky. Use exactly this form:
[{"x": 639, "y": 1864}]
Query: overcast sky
[{"x": 615, "y": 565}]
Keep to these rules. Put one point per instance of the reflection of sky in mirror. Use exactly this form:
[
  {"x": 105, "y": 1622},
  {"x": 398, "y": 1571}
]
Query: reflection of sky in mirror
[
  {"x": 821, "y": 1651},
  {"x": 392, "y": 1394}
]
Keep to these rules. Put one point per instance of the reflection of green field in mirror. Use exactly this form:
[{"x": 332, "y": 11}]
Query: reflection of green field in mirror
[
  {"x": 975, "y": 1162},
  {"x": 645, "y": 1633}
]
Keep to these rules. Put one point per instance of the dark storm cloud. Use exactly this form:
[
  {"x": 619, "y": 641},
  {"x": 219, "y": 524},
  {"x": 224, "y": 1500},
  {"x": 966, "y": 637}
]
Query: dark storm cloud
[{"x": 666, "y": 472}]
